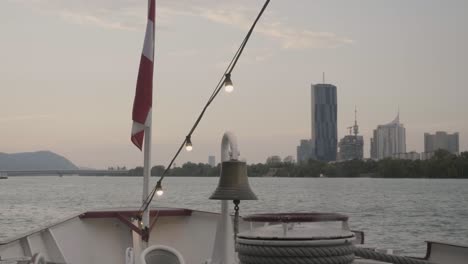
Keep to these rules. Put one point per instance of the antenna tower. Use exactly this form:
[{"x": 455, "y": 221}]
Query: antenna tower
[{"x": 355, "y": 127}]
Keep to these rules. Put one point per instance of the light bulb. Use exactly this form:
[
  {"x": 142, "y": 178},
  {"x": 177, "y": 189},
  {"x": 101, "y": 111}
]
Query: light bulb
[
  {"x": 188, "y": 144},
  {"x": 228, "y": 86},
  {"x": 159, "y": 189}
]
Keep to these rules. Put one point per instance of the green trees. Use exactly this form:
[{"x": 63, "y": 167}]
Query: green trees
[
  {"x": 194, "y": 169},
  {"x": 138, "y": 171},
  {"x": 157, "y": 170},
  {"x": 442, "y": 165}
]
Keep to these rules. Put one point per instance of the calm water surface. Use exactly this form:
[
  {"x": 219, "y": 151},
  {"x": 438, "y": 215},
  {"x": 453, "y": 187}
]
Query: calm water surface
[{"x": 394, "y": 213}]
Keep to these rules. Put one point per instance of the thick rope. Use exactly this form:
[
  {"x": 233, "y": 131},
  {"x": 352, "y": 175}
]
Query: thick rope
[
  {"x": 370, "y": 254},
  {"x": 245, "y": 259},
  {"x": 264, "y": 254},
  {"x": 340, "y": 254},
  {"x": 283, "y": 251}
]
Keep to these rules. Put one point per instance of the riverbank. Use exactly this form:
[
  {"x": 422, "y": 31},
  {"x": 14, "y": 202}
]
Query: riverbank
[{"x": 442, "y": 165}]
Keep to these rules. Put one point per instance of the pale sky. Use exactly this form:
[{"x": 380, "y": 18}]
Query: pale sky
[{"x": 68, "y": 71}]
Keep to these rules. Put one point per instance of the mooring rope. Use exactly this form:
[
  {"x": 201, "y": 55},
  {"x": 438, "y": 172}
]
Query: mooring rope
[
  {"x": 296, "y": 251},
  {"x": 339, "y": 254},
  {"x": 370, "y": 254},
  {"x": 245, "y": 259},
  {"x": 267, "y": 254}
]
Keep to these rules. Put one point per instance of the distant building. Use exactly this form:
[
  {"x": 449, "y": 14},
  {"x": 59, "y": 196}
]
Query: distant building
[
  {"x": 427, "y": 155},
  {"x": 212, "y": 161},
  {"x": 324, "y": 121},
  {"x": 413, "y": 155},
  {"x": 289, "y": 159},
  {"x": 441, "y": 140},
  {"x": 273, "y": 160},
  {"x": 388, "y": 139},
  {"x": 373, "y": 151},
  {"x": 352, "y": 146},
  {"x": 305, "y": 151}
]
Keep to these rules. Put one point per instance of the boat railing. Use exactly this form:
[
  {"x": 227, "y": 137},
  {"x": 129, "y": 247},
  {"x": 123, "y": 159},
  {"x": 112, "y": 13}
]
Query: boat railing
[{"x": 441, "y": 252}]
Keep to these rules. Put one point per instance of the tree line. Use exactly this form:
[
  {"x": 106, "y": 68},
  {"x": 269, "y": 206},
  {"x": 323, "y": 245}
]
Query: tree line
[{"x": 442, "y": 165}]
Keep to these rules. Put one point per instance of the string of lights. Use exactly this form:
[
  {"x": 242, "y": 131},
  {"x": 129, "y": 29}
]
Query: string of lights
[{"x": 226, "y": 82}]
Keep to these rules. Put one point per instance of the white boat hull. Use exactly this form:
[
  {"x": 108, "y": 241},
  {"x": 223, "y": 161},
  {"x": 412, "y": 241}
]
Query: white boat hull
[
  {"x": 96, "y": 237},
  {"x": 104, "y": 236}
]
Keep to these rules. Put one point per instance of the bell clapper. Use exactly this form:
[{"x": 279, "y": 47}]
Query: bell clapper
[{"x": 236, "y": 218}]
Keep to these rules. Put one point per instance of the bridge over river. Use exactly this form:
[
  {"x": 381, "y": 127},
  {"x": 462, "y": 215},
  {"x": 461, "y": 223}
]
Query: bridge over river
[{"x": 63, "y": 172}]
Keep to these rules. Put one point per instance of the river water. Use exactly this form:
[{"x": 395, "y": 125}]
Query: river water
[{"x": 394, "y": 213}]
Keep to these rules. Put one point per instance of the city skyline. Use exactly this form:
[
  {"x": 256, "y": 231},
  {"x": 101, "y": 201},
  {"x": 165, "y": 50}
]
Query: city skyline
[
  {"x": 69, "y": 72},
  {"x": 441, "y": 140},
  {"x": 324, "y": 117},
  {"x": 388, "y": 139}
]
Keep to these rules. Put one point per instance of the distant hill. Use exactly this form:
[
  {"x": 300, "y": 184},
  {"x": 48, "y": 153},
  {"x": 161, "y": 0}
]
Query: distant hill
[{"x": 40, "y": 160}]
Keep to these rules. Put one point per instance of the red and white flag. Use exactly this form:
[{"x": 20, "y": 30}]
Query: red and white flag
[{"x": 143, "y": 102}]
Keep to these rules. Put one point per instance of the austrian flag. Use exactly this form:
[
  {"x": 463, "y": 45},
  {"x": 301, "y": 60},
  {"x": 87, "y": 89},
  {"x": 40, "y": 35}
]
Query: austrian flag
[{"x": 143, "y": 102}]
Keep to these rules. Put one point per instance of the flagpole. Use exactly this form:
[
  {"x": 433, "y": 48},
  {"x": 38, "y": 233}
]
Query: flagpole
[
  {"x": 142, "y": 118},
  {"x": 147, "y": 144},
  {"x": 146, "y": 178}
]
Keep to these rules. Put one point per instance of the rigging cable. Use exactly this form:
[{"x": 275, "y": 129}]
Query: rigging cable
[{"x": 218, "y": 88}]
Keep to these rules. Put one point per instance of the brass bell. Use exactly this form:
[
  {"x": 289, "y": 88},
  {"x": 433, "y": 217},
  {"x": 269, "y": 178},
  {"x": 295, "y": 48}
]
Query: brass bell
[{"x": 233, "y": 182}]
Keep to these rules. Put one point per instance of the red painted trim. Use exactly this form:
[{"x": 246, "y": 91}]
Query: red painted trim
[
  {"x": 135, "y": 213},
  {"x": 129, "y": 224}
]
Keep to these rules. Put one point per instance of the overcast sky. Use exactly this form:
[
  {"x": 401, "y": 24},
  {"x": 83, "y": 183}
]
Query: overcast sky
[{"x": 68, "y": 72}]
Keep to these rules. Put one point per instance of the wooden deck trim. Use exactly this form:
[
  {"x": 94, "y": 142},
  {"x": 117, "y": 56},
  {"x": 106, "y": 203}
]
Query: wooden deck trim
[
  {"x": 128, "y": 223},
  {"x": 134, "y": 213}
]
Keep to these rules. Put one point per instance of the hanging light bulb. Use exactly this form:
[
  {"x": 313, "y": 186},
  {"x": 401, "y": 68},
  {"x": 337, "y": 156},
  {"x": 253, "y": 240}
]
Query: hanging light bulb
[
  {"x": 228, "y": 87},
  {"x": 188, "y": 144},
  {"x": 159, "y": 189}
]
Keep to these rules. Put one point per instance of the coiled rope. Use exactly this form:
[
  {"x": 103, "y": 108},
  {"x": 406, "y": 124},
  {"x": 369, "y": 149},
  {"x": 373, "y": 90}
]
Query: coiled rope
[
  {"x": 370, "y": 254},
  {"x": 296, "y": 251},
  {"x": 339, "y": 254},
  {"x": 291, "y": 260},
  {"x": 263, "y": 254}
]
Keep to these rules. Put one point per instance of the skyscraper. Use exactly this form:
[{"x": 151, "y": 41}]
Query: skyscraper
[
  {"x": 388, "y": 140},
  {"x": 441, "y": 140},
  {"x": 212, "y": 161},
  {"x": 324, "y": 121},
  {"x": 305, "y": 151},
  {"x": 352, "y": 145}
]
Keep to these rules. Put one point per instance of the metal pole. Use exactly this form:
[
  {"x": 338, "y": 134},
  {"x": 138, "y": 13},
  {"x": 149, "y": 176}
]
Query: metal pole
[
  {"x": 147, "y": 164},
  {"x": 146, "y": 177}
]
